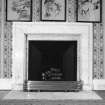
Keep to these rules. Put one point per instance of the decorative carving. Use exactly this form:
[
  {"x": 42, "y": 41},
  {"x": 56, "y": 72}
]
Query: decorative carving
[
  {"x": 36, "y": 10},
  {"x": 71, "y": 10},
  {"x": 98, "y": 51},
  {"x": 7, "y": 51}
]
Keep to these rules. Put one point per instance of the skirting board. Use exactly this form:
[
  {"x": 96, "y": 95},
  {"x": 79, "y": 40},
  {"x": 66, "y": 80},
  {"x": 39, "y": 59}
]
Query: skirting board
[
  {"x": 99, "y": 84},
  {"x": 6, "y": 84}
]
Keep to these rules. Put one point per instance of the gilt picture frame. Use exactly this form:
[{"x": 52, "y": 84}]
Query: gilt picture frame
[
  {"x": 19, "y": 10},
  {"x": 53, "y": 10},
  {"x": 89, "y": 11}
]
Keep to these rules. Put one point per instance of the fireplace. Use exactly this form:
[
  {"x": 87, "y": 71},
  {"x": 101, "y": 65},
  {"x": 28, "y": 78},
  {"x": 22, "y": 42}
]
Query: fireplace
[
  {"x": 52, "y": 60},
  {"x": 52, "y": 56}
]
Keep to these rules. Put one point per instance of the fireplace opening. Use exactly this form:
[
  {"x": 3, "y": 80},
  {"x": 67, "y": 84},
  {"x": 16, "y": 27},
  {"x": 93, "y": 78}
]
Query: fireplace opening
[{"x": 52, "y": 60}]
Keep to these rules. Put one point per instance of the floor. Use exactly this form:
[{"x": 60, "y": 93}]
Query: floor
[
  {"x": 52, "y": 98},
  {"x": 83, "y": 95}
]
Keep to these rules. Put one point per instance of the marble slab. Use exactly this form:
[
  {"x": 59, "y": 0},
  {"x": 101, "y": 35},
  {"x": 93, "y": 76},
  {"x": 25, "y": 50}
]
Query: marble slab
[{"x": 83, "y": 95}]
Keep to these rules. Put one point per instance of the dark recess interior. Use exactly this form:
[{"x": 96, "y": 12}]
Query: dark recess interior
[{"x": 52, "y": 60}]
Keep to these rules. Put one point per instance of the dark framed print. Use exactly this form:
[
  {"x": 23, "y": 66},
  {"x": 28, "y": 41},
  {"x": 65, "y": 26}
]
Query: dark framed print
[
  {"x": 19, "y": 10},
  {"x": 89, "y": 10},
  {"x": 53, "y": 10}
]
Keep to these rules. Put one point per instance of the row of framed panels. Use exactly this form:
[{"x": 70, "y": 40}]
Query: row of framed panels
[{"x": 54, "y": 10}]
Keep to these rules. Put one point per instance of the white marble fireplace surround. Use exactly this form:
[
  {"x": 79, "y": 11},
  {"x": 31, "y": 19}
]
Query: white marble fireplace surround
[{"x": 52, "y": 31}]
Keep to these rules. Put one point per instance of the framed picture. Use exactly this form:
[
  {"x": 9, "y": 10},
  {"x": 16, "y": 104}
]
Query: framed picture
[
  {"x": 89, "y": 10},
  {"x": 53, "y": 10},
  {"x": 19, "y": 10}
]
